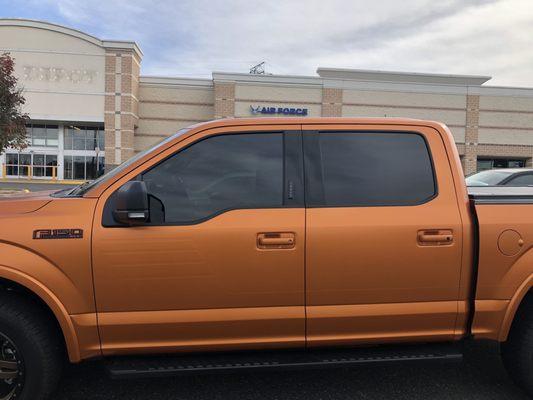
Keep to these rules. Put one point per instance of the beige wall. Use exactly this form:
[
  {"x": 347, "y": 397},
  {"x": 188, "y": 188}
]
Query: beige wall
[
  {"x": 290, "y": 94},
  {"x": 404, "y": 99},
  {"x": 458, "y": 133},
  {"x": 175, "y": 94},
  {"x": 506, "y": 136},
  {"x": 506, "y": 119},
  {"x": 63, "y": 76},
  {"x": 449, "y": 117},
  {"x": 166, "y": 108},
  {"x": 515, "y": 103},
  {"x": 175, "y": 111},
  {"x": 145, "y": 142}
]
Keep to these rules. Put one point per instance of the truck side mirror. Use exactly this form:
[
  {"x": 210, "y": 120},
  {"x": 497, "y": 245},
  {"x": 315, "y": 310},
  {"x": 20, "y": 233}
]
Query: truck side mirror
[{"x": 131, "y": 206}]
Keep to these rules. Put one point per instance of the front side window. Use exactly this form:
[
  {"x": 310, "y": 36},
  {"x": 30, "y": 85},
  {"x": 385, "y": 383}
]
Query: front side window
[
  {"x": 369, "y": 169},
  {"x": 217, "y": 174}
]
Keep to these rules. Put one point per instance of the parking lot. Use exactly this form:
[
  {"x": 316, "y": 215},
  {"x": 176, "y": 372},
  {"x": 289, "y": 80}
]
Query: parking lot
[{"x": 480, "y": 377}]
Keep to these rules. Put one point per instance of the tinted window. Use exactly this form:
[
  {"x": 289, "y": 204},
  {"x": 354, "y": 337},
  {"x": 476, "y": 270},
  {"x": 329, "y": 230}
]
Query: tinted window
[
  {"x": 374, "y": 169},
  {"x": 521, "y": 180},
  {"x": 217, "y": 174}
]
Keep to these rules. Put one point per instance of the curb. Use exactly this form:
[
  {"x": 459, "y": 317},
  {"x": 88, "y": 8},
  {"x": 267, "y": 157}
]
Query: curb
[{"x": 39, "y": 181}]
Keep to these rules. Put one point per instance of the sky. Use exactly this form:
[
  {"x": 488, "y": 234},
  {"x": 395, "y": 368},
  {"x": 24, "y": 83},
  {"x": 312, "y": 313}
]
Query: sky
[{"x": 193, "y": 38}]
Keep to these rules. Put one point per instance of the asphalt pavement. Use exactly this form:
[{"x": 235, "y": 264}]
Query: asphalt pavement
[{"x": 480, "y": 376}]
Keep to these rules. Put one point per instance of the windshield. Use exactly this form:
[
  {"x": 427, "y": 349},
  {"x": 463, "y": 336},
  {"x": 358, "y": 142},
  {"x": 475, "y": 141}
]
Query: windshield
[
  {"x": 487, "y": 178},
  {"x": 85, "y": 187}
]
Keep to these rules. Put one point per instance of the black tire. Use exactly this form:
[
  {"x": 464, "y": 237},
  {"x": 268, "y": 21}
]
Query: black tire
[
  {"x": 517, "y": 351},
  {"x": 29, "y": 338}
]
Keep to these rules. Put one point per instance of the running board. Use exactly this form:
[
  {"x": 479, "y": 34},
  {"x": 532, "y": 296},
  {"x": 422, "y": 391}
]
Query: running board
[{"x": 147, "y": 367}]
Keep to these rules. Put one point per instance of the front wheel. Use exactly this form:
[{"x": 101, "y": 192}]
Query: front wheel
[
  {"x": 31, "y": 354},
  {"x": 517, "y": 351}
]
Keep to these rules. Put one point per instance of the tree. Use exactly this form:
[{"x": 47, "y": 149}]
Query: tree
[{"x": 12, "y": 119}]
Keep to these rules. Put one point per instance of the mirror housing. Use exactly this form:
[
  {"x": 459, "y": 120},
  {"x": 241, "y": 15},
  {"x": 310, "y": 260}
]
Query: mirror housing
[{"x": 131, "y": 205}]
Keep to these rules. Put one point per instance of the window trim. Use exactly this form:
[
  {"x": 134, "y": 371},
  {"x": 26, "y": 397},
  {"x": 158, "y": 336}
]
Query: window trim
[
  {"x": 292, "y": 171},
  {"x": 313, "y": 166}
]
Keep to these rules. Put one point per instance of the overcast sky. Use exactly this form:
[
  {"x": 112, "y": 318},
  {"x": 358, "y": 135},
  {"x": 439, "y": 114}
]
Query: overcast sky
[{"x": 195, "y": 37}]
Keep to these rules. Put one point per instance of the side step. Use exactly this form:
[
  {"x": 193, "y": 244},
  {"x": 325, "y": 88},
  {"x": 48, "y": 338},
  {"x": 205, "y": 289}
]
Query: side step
[{"x": 146, "y": 367}]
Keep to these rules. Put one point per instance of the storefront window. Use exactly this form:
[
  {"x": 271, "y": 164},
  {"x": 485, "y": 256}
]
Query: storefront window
[
  {"x": 79, "y": 167},
  {"x": 83, "y": 167},
  {"x": 83, "y": 157},
  {"x": 12, "y": 164},
  {"x": 67, "y": 167},
  {"x": 42, "y": 135},
  {"x": 51, "y": 165},
  {"x": 24, "y": 164},
  {"x": 490, "y": 163},
  {"x": 84, "y": 137},
  {"x": 40, "y": 165}
]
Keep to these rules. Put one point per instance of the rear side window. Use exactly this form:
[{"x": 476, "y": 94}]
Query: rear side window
[
  {"x": 368, "y": 169},
  {"x": 217, "y": 174},
  {"x": 521, "y": 180}
]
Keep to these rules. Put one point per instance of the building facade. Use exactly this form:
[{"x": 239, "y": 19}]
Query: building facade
[{"x": 91, "y": 109}]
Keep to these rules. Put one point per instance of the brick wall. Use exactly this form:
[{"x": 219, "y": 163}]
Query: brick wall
[
  {"x": 471, "y": 134},
  {"x": 121, "y": 105},
  {"x": 331, "y": 102},
  {"x": 224, "y": 100}
]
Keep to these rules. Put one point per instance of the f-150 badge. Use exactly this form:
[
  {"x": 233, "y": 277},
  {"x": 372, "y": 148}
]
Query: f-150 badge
[{"x": 58, "y": 234}]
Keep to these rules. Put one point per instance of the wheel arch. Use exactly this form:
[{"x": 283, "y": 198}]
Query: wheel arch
[
  {"x": 524, "y": 291},
  {"x": 14, "y": 279}
]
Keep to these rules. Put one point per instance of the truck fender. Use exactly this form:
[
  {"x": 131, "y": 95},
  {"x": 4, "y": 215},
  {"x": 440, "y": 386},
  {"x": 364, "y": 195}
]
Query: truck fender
[
  {"x": 41, "y": 277},
  {"x": 512, "y": 308}
]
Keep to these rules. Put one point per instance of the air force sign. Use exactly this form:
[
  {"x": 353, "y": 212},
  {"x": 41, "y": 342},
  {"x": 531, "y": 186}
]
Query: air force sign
[{"x": 278, "y": 110}]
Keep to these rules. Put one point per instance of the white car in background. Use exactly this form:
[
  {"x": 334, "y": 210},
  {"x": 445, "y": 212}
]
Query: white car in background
[{"x": 502, "y": 177}]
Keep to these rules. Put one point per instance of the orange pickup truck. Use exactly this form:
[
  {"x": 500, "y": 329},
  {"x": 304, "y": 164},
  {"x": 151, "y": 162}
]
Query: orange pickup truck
[{"x": 266, "y": 243}]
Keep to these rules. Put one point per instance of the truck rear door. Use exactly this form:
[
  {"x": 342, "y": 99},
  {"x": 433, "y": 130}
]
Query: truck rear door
[{"x": 383, "y": 235}]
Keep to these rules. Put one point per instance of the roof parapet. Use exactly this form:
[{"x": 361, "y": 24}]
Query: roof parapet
[{"x": 401, "y": 77}]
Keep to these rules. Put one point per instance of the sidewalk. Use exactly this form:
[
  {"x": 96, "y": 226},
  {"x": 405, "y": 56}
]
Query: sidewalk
[
  {"x": 41, "y": 181},
  {"x": 10, "y": 186},
  {"x": 9, "y": 192}
]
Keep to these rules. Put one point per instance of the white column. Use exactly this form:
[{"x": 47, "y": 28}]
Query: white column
[
  {"x": 60, "y": 152},
  {"x": 2, "y": 163}
]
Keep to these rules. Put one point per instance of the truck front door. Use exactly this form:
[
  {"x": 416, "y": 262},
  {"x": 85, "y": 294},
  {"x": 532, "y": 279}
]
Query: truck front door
[{"x": 220, "y": 265}]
